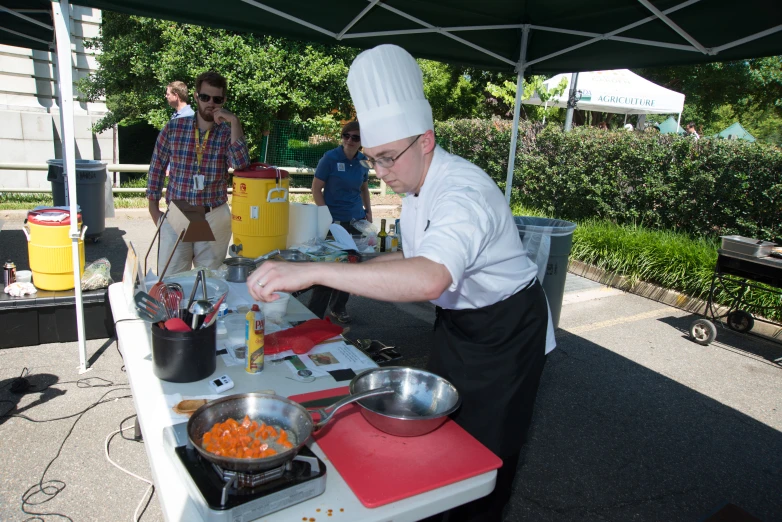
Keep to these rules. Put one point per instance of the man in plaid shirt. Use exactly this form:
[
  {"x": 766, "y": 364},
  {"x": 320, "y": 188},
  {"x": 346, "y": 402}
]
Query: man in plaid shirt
[{"x": 198, "y": 150}]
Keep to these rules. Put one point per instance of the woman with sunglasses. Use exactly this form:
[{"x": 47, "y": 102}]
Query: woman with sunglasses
[{"x": 341, "y": 183}]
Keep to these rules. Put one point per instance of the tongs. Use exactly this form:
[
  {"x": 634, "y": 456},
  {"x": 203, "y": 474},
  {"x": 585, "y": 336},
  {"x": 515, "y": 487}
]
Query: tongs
[{"x": 200, "y": 277}]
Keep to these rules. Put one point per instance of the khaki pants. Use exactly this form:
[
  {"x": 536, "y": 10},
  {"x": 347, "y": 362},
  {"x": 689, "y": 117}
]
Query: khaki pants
[{"x": 209, "y": 254}]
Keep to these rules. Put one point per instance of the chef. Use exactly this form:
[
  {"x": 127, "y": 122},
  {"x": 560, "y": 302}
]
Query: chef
[{"x": 462, "y": 252}]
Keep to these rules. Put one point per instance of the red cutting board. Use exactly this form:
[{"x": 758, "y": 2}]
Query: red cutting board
[{"x": 382, "y": 468}]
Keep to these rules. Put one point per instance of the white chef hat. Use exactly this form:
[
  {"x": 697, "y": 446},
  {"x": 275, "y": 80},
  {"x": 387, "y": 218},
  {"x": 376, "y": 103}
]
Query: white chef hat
[{"x": 387, "y": 89}]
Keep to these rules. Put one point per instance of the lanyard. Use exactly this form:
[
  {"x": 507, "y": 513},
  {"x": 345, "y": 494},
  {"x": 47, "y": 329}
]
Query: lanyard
[{"x": 200, "y": 148}]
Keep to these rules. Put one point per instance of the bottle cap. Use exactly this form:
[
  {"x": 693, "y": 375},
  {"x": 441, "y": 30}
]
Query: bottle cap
[{"x": 255, "y": 308}]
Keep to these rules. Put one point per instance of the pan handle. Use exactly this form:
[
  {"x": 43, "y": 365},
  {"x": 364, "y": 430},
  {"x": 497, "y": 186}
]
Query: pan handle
[{"x": 327, "y": 413}]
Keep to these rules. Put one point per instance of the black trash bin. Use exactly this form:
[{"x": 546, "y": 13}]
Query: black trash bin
[
  {"x": 90, "y": 192},
  {"x": 554, "y": 237}
]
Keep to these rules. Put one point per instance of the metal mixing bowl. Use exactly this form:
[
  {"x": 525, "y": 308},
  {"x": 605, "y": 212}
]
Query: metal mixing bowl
[{"x": 421, "y": 401}]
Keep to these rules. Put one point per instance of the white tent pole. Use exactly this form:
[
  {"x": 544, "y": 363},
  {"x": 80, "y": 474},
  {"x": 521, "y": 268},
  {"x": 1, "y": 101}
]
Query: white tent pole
[
  {"x": 516, "y": 111},
  {"x": 670, "y": 23},
  {"x": 61, "y": 15},
  {"x": 545, "y": 110},
  {"x": 571, "y": 106},
  {"x": 678, "y": 123}
]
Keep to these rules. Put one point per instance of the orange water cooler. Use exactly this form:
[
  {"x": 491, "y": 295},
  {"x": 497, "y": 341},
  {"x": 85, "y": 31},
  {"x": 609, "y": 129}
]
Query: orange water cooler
[{"x": 259, "y": 210}]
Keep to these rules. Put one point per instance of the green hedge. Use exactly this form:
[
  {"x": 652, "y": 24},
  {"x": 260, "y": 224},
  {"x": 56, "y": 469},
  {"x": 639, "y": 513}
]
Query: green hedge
[{"x": 705, "y": 187}]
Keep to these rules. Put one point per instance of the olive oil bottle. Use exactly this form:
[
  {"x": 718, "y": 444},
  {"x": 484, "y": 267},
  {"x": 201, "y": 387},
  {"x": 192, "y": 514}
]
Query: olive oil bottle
[{"x": 381, "y": 236}]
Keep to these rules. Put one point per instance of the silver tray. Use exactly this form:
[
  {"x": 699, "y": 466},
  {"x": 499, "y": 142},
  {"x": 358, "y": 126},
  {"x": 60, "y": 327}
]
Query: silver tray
[{"x": 747, "y": 246}]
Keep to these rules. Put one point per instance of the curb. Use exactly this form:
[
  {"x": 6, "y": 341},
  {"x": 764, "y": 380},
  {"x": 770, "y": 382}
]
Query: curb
[{"x": 663, "y": 295}]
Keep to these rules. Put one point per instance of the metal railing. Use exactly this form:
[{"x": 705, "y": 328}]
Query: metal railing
[{"x": 120, "y": 167}]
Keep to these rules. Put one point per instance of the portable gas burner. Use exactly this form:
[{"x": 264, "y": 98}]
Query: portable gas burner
[{"x": 224, "y": 495}]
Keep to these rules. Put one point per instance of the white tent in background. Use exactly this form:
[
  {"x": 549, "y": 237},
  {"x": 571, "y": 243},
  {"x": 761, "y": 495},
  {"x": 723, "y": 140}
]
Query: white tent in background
[{"x": 619, "y": 92}]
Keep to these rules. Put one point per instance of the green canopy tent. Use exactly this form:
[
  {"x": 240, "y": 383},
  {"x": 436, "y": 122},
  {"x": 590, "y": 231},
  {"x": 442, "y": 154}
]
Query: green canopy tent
[
  {"x": 735, "y": 132},
  {"x": 525, "y": 36},
  {"x": 670, "y": 126}
]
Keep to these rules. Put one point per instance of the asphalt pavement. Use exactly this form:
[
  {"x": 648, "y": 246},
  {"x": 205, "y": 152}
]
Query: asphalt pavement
[{"x": 633, "y": 422}]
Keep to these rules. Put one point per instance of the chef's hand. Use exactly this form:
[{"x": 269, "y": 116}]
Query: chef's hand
[
  {"x": 276, "y": 276},
  {"x": 221, "y": 115}
]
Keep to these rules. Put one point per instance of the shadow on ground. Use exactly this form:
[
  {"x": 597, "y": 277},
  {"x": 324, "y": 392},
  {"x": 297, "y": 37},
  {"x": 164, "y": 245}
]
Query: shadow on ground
[
  {"x": 727, "y": 339},
  {"x": 615, "y": 441}
]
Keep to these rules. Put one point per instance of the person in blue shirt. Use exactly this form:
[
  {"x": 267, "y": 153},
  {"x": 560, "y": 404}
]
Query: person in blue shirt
[
  {"x": 342, "y": 184},
  {"x": 177, "y": 98}
]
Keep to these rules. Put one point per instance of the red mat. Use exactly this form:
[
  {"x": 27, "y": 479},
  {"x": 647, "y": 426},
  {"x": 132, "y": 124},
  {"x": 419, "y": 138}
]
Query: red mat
[{"x": 382, "y": 468}]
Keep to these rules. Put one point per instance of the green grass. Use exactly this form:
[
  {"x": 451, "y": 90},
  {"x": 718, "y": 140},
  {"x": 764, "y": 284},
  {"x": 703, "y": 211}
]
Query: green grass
[
  {"x": 24, "y": 201},
  {"x": 668, "y": 259}
]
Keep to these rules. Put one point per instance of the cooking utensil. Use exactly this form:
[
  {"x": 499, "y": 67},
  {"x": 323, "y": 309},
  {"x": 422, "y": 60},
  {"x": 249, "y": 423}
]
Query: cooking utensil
[
  {"x": 174, "y": 299},
  {"x": 212, "y": 316},
  {"x": 162, "y": 294},
  {"x": 149, "y": 308},
  {"x": 271, "y": 409},
  {"x": 240, "y": 268},
  {"x": 421, "y": 403},
  {"x": 199, "y": 309},
  {"x": 194, "y": 290},
  {"x": 176, "y": 324}
]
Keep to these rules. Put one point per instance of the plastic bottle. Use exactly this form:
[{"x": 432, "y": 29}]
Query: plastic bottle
[
  {"x": 392, "y": 240},
  {"x": 254, "y": 337}
]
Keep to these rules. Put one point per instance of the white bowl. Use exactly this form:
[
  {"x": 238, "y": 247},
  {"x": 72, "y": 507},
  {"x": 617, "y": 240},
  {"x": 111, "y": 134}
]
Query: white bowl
[{"x": 275, "y": 311}]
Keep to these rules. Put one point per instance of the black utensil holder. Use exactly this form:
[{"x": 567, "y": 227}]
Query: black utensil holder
[{"x": 184, "y": 356}]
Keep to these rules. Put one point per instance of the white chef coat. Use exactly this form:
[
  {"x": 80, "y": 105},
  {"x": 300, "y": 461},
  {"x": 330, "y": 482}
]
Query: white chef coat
[{"x": 461, "y": 220}]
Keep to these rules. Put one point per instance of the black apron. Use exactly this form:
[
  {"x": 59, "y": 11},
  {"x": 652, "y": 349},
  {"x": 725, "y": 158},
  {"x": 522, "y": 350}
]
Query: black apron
[{"x": 494, "y": 356}]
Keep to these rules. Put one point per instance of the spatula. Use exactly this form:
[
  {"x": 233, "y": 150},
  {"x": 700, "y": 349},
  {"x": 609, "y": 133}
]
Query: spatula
[
  {"x": 212, "y": 316},
  {"x": 149, "y": 308}
]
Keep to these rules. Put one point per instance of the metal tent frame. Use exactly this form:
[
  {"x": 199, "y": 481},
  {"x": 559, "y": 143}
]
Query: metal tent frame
[{"x": 189, "y": 12}]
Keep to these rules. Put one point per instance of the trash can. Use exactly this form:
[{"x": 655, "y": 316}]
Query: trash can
[
  {"x": 90, "y": 192},
  {"x": 548, "y": 243}
]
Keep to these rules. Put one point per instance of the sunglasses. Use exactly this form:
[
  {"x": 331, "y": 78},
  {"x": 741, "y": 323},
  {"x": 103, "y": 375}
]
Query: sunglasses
[
  {"x": 348, "y": 136},
  {"x": 219, "y": 100}
]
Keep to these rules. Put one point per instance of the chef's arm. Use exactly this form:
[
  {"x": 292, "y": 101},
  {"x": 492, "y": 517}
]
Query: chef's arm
[
  {"x": 405, "y": 280},
  {"x": 400, "y": 280},
  {"x": 396, "y": 256},
  {"x": 317, "y": 191}
]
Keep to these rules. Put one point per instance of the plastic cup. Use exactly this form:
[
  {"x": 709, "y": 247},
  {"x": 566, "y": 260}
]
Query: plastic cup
[
  {"x": 276, "y": 310},
  {"x": 24, "y": 276},
  {"x": 235, "y": 324}
]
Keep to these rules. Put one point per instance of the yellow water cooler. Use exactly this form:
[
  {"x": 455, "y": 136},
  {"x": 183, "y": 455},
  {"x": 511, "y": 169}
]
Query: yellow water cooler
[
  {"x": 49, "y": 248},
  {"x": 259, "y": 210}
]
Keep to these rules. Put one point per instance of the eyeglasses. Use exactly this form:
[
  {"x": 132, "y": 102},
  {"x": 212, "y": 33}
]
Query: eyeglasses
[
  {"x": 349, "y": 136},
  {"x": 386, "y": 163},
  {"x": 219, "y": 100}
]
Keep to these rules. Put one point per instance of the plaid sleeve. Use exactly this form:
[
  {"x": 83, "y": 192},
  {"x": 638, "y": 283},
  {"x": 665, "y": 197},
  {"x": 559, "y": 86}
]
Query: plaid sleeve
[
  {"x": 157, "y": 167},
  {"x": 240, "y": 156}
]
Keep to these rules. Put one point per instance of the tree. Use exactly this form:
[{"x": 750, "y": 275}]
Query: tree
[
  {"x": 505, "y": 94},
  {"x": 718, "y": 94},
  {"x": 268, "y": 78}
]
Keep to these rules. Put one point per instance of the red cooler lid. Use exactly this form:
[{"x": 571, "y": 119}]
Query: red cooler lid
[
  {"x": 53, "y": 217},
  {"x": 261, "y": 170}
]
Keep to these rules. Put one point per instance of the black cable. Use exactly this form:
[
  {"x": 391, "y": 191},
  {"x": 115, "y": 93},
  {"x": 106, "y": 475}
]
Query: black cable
[
  {"x": 44, "y": 491},
  {"x": 51, "y": 488}
]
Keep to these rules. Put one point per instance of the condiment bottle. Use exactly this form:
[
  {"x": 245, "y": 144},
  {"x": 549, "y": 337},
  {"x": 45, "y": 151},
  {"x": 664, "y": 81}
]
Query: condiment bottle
[{"x": 254, "y": 337}]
